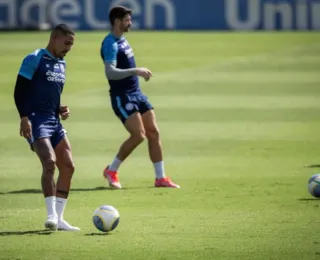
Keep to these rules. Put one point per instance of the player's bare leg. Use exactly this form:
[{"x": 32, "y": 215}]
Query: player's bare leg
[
  {"x": 155, "y": 150},
  {"x": 66, "y": 170},
  {"x": 134, "y": 126},
  {"x": 153, "y": 136},
  {"x": 46, "y": 154}
]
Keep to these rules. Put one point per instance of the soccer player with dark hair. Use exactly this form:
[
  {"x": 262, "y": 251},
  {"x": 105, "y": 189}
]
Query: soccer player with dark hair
[
  {"x": 130, "y": 105},
  {"x": 37, "y": 97}
]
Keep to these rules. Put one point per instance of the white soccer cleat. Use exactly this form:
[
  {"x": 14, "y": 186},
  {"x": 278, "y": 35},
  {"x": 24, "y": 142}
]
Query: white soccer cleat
[
  {"x": 65, "y": 226},
  {"x": 51, "y": 223}
]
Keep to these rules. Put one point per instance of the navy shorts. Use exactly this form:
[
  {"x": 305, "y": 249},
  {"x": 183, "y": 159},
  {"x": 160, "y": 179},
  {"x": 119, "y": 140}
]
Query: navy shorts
[
  {"x": 46, "y": 127},
  {"x": 125, "y": 105}
]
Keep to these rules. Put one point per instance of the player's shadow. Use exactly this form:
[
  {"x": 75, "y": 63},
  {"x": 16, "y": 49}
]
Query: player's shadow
[
  {"x": 28, "y": 232},
  {"x": 39, "y": 191},
  {"x": 312, "y": 166},
  {"x": 97, "y": 234},
  {"x": 309, "y": 199}
]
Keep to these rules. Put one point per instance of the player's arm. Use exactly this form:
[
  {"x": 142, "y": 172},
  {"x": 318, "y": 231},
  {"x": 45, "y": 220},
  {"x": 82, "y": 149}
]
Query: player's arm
[
  {"x": 114, "y": 73},
  {"x": 23, "y": 83},
  {"x": 22, "y": 87},
  {"x": 64, "y": 112},
  {"x": 110, "y": 51},
  {"x": 22, "y": 90}
]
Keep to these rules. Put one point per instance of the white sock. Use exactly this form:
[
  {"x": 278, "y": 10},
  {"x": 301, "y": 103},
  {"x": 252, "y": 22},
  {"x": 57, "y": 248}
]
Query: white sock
[
  {"x": 60, "y": 206},
  {"x": 51, "y": 206},
  {"x": 159, "y": 170},
  {"x": 114, "y": 166}
]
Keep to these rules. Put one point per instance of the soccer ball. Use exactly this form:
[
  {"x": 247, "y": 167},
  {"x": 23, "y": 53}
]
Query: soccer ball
[
  {"x": 106, "y": 218},
  {"x": 314, "y": 186}
]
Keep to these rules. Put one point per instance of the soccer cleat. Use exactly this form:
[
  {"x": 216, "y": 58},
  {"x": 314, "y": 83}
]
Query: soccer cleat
[
  {"x": 165, "y": 183},
  {"x": 65, "y": 226},
  {"x": 112, "y": 178},
  {"x": 51, "y": 223}
]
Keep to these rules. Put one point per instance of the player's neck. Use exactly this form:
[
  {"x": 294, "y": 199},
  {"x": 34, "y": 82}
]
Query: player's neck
[
  {"x": 116, "y": 33},
  {"x": 50, "y": 50}
]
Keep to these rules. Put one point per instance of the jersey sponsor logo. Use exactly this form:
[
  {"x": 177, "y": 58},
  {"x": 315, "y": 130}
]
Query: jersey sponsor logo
[
  {"x": 62, "y": 68},
  {"x": 124, "y": 44},
  {"x": 44, "y": 125},
  {"x": 129, "y": 53},
  {"x": 56, "y": 76}
]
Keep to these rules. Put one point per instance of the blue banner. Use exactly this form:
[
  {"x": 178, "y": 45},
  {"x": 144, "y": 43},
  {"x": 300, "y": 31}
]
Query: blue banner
[{"x": 166, "y": 14}]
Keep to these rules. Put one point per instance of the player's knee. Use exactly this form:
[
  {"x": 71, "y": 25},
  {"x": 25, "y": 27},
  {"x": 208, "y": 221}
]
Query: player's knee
[
  {"x": 70, "y": 167},
  {"x": 138, "y": 137},
  {"x": 153, "y": 134},
  {"x": 49, "y": 164},
  {"x": 67, "y": 166}
]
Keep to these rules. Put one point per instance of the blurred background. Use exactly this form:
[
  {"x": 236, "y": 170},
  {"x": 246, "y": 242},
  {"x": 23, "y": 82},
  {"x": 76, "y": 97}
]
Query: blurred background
[{"x": 164, "y": 14}]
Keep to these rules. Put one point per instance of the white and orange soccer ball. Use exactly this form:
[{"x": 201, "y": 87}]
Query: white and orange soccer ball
[{"x": 106, "y": 218}]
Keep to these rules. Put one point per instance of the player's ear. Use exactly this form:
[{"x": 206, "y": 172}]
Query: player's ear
[{"x": 116, "y": 21}]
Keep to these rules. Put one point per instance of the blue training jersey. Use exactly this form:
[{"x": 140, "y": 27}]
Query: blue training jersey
[
  {"x": 118, "y": 52},
  {"x": 47, "y": 75}
]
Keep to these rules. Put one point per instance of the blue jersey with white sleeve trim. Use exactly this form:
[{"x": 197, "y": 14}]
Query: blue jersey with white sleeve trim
[
  {"x": 47, "y": 76},
  {"x": 118, "y": 52}
]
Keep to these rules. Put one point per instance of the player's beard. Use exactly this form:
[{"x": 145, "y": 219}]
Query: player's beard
[
  {"x": 126, "y": 28},
  {"x": 63, "y": 53}
]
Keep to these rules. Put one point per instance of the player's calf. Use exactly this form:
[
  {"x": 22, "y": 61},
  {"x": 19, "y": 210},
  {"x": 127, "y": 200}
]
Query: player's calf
[
  {"x": 135, "y": 139},
  {"x": 46, "y": 154},
  {"x": 64, "y": 180},
  {"x": 155, "y": 150},
  {"x": 47, "y": 178},
  {"x": 66, "y": 169},
  {"x": 65, "y": 165}
]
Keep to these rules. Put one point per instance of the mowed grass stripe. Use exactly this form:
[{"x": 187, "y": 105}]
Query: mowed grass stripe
[
  {"x": 196, "y": 131},
  {"x": 194, "y": 115},
  {"x": 173, "y": 87},
  {"x": 201, "y": 101},
  {"x": 243, "y": 157},
  {"x": 308, "y": 150},
  {"x": 197, "y": 102},
  {"x": 190, "y": 115},
  {"x": 242, "y": 77}
]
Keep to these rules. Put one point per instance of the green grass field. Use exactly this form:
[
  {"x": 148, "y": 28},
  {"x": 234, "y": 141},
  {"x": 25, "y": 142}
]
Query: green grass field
[{"x": 239, "y": 115}]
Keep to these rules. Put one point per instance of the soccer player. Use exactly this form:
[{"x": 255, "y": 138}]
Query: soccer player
[
  {"x": 37, "y": 96},
  {"x": 129, "y": 104}
]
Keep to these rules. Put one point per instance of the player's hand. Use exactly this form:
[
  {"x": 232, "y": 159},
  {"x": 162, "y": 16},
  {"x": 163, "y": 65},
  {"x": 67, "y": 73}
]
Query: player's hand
[
  {"x": 25, "y": 128},
  {"x": 144, "y": 73},
  {"x": 64, "y": 112}
]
